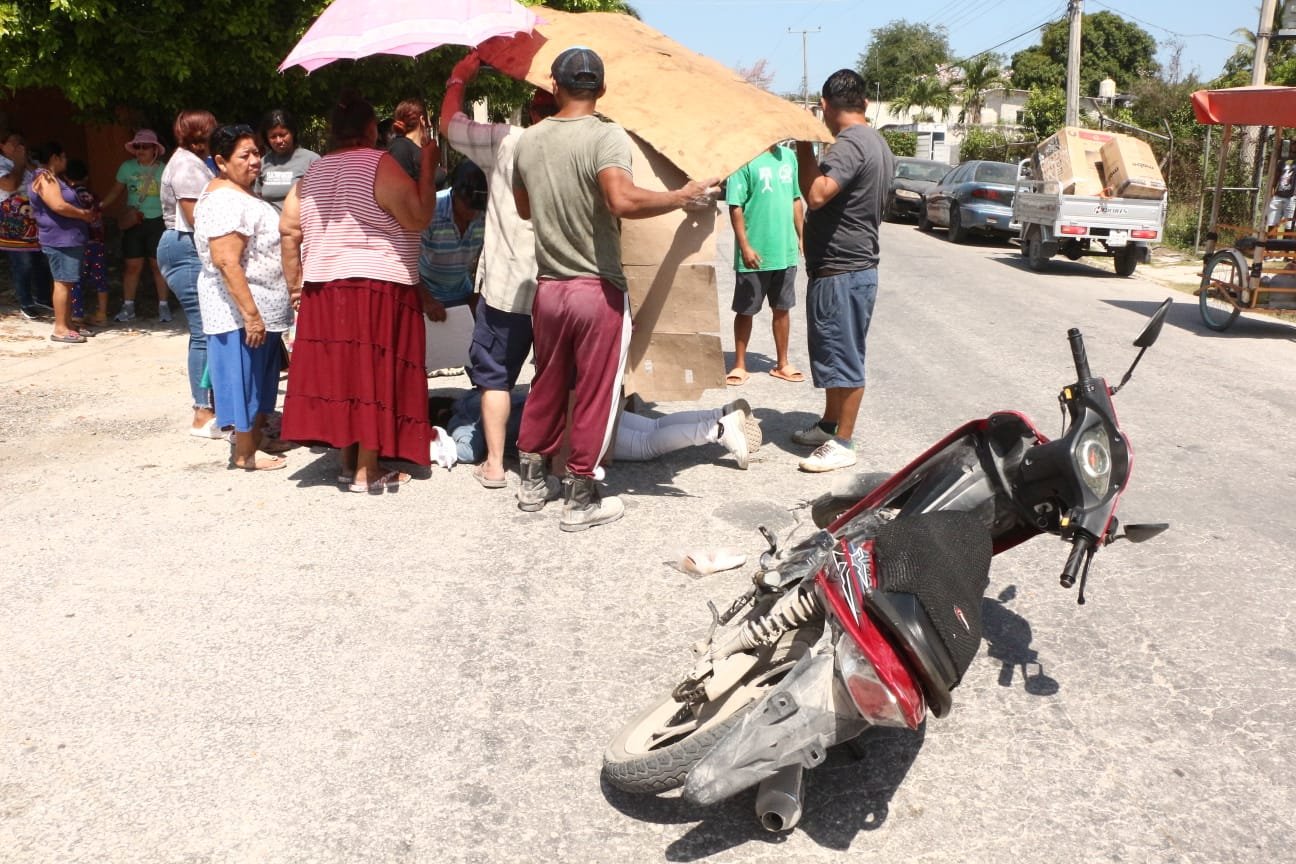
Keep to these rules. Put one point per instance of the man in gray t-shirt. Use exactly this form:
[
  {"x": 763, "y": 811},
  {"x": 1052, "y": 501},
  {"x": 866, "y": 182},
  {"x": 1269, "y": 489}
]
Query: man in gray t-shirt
[
  {"x": 845, "y": 194},
  {"x": 573, "y": 180}
]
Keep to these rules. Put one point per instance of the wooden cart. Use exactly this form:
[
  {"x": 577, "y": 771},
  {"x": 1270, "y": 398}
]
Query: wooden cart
[{"x": 1259, "y": 270}]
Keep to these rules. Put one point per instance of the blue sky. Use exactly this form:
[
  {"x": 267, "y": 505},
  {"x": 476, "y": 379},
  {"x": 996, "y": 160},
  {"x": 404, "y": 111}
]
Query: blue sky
[{"x": 740, "y": 32}]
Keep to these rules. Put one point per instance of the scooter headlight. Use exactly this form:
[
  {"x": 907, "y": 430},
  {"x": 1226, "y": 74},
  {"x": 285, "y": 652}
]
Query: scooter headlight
[{"x": 1094, "y": 460}]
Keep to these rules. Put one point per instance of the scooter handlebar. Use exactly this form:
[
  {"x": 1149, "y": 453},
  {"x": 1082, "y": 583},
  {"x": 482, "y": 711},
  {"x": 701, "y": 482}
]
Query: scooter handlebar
[
  {"x": 1081, "y": 548},
  {"x": 1078, "y": 354}
]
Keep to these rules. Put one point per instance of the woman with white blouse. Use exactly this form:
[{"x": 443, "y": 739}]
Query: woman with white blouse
[{"x": 242, "y": 294}]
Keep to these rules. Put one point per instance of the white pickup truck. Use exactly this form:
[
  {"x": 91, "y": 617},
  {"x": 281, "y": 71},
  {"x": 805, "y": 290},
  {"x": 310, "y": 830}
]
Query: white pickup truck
[{"x": 1053, "y": 223}]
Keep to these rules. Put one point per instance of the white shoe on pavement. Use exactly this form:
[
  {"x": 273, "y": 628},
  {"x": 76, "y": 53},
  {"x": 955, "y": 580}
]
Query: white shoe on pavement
[
  {"x": 812, "y": 436},
  {"x": 829, "y": 456},
  {"x": 740, "y": 434}
]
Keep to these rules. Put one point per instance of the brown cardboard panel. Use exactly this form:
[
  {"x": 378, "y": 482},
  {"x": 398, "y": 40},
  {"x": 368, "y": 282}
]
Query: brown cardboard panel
[
  {"x": 678, "y": 367},
  {"x": 1073, "y": 157},
  {"x": 693, "y": 110},
  {"x": 1132, "y": 170},
  {"x": 679, "y": 301},
  {"x": 675, "y": 238}
]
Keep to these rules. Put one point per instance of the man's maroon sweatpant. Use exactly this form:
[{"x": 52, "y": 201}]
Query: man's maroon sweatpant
[{"x": 582, "y": 333}]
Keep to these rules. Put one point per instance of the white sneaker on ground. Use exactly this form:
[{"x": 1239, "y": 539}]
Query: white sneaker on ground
[
  {"x": 740, "y": 434},
  {"x": 829, "y": 456},
  {"x": 164, "y": 313},
  {"x": 811, "y": 437},
  {"x": 127, "y": 313}
]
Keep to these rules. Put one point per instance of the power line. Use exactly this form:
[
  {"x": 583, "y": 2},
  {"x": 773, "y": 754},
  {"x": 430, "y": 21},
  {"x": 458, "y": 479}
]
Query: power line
[
  {"x": 1167, "y": 29},
  {"x": 971, "y": 12},
  {"x": 1051, "y": 20}
]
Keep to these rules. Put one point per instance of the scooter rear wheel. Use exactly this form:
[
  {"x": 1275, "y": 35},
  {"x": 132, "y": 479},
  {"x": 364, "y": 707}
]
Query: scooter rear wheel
[{"x": 655, "y": 751}]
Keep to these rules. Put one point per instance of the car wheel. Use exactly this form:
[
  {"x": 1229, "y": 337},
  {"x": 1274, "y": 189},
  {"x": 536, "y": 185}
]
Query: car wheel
[
  {"x": 957, "y": 233},
  {"x": 924, "y": 224}
]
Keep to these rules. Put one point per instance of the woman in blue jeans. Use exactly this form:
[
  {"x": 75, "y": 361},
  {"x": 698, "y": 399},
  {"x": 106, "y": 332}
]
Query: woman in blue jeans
[{"x": 183, "y": 180}]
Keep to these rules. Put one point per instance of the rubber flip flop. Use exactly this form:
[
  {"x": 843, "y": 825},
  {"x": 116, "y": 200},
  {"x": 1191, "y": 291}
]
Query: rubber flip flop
[
  {"x": 796, "y": 376},
  {"x": 73, "y": 338},
  {"x": 275, "y": 463},
  {"x": 489, "y": 483},
  {"x": 737, "y": 378},
  {"x": 387, "y": 481}
]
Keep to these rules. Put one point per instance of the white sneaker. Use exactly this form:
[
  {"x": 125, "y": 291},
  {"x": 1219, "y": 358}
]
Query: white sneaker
[
  {"x": 740, "y": 434},
  {"x": 164, "y": 313},
  {"x": 829, "y": 456},
  {"x": 127, "y": 313},
  {"x": 811, "y": 437}
]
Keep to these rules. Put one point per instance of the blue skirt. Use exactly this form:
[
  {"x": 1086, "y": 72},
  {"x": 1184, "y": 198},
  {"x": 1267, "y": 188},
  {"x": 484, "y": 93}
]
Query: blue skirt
[{"x": 245, "y": 381}]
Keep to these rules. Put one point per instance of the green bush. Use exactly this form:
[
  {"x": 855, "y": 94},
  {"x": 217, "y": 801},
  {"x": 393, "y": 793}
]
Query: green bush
[
  {"x": 999, "y": 145},
  {"x": 901, "y": 143}
]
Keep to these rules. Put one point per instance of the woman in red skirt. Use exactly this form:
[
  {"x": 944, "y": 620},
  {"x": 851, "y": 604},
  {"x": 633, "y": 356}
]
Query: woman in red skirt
[{"x": 350, "y": 251}]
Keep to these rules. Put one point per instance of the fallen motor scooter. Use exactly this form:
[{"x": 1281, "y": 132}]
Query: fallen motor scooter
[{"x": 874, "y": 619}]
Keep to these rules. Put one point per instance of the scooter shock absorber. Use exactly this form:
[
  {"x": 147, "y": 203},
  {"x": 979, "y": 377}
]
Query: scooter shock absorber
[{"x": 793, "y": 610}]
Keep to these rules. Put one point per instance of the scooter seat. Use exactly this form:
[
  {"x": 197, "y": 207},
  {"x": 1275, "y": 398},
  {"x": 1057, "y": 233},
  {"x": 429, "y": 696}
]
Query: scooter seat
[{"x": 933, "y": 569}]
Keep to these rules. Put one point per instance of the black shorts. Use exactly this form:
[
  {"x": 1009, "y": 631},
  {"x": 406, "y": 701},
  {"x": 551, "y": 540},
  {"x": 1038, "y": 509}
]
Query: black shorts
[
  {"x": 141, "y": 241},
  {"x": 501, "y": 342},
  {"x": 751, "y": 289}
]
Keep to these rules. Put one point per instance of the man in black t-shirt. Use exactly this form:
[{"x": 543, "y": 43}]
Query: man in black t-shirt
[{"x": 845, "y": 196}]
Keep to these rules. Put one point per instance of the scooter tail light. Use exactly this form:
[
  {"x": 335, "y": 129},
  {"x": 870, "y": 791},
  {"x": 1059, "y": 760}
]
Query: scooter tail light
[{"x": 875, "y": 701}]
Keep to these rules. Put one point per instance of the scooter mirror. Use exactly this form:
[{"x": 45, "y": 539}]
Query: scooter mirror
[{"x": 1153, "y": 328}]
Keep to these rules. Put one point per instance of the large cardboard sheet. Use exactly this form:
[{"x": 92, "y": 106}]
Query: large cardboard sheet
[{"x": 693, "y": 110}]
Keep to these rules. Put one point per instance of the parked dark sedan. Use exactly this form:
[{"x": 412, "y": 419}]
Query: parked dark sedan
[
  {"x": 913, "y": 178},
  {"x": 975, "y": 196}
]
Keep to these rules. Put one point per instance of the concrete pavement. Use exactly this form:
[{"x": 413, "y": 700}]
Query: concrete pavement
[{"x": 200, "y": 665}]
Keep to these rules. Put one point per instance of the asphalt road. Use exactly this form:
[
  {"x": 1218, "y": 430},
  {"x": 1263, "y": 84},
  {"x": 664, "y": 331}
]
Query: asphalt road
[{"x": 204, "y": 666}]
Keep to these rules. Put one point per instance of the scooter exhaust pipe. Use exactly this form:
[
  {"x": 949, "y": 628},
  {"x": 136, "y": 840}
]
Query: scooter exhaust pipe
[{"x": 778, "y": 799}]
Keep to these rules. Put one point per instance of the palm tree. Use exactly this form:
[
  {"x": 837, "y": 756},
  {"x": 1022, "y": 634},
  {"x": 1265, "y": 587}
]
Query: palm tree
[
  {"x": 929, "y": 91},
  {"x": 980, "y": 74},
  {"x": 1278, "y": 49}
]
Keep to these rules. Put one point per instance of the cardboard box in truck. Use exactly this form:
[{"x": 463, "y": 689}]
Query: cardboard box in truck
[
  {"x": 1073, "y": 157},
  {"x": 1132, "y": 170}
]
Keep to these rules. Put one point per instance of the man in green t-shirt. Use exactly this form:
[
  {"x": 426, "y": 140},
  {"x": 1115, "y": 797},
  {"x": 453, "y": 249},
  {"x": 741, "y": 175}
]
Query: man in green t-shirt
[{"x": 765, "y": 208}]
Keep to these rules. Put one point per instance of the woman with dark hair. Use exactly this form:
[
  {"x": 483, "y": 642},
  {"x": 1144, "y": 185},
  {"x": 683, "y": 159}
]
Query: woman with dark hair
[
  {"x": 63, "y": 228},
  {"x": 409, "y": 134},
  {"x": 242, "y": 293},
  {"x": 183, "y": 180},
  {"x": 357, "y": 379},
  {"x": 284, "y": 162}
]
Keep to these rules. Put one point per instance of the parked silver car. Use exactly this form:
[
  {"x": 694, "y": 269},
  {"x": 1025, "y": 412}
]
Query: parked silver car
[{"x": 975, "y": 196}]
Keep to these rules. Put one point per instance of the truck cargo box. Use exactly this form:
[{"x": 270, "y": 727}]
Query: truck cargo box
[
  {"x": 1073, "y": 157},
  {"x": 1132, "y": 170}
]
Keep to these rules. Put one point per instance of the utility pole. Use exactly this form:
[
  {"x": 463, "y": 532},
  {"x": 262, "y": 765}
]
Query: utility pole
[
  {"x": 1259, "y": 72},
  {"x": 805, "y": 69},
  {"x": 1075, "y": 13}
]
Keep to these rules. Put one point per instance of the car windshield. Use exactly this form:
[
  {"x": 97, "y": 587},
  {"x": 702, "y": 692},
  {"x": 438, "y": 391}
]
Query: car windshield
[
  {"x": 932, "y": 171},
  {"x": 996, "y": 172}
]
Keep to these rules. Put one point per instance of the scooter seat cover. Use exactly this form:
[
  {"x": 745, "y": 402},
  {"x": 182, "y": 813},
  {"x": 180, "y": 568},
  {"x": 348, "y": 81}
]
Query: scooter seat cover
[{"x": 944, "y": 560}]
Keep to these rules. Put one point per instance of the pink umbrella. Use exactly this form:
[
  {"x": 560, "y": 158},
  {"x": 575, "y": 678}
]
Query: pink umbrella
[{"x": 350, "y": 29}]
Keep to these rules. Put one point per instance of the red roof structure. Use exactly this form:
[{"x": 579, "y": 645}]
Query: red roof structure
[{"x": 1246, "y": 106}]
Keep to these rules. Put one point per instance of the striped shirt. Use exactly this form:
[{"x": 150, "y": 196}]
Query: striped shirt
[
  {"x": 345, "y": 234},
  {"x": 449, "y": 259}
]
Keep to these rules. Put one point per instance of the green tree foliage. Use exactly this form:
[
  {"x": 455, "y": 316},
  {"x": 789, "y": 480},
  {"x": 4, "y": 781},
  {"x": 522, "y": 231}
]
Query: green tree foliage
[
  {"x": 981, "y": 73},
  {"x": 1045, "y": 111},
  {"x": 1110, "y": 47},
  {"x": 1000, "y": 145},
  {"x": 927, "y": 92},
  {"x": 1280, "y": 62},
  {"x": 900, "y": 53},
  {"x": 901, "y": 143},
  {"x": 155, "y": 57}
]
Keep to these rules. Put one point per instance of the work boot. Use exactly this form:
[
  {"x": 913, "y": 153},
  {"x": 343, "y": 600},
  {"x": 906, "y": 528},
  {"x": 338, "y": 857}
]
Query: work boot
[
  {"x": 584, "y": 507},
  {"x": 538, "y": 486}
]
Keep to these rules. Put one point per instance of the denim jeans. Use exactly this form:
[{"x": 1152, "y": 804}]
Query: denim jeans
[
  {"x": 30, "y": 274},
  {"x": 178, "y": 260}
]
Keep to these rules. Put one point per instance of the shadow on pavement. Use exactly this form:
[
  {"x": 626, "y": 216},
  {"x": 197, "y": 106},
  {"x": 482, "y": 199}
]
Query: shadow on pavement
[
  {"x": 1008, "y": 640},
  {"x": 1187, "y": 316}
]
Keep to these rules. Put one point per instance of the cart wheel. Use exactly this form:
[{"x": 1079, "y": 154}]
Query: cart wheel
[{"x": 1221, "y": 287}]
